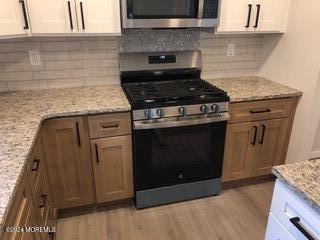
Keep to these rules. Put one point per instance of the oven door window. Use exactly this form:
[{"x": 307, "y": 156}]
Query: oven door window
[
  {"x": 170, "y": 156},
  {"x": 158, "y": 9}
]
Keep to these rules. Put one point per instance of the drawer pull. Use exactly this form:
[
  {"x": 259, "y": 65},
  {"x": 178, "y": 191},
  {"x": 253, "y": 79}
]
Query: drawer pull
[
  {"x": 44, "y": 198},
  {"x": 254, "y": 136},
  {"x": 296, "y": 222},
  {"x": 51, "y": 235},
  {"x": 97, "y": 153},
  {"x": 260, "y": 111},
  {"x": 263, "y": 133},
  {"x": 78, "y": 134},
  {"x": 110, "y": 126},
  {"x": 36, "y": 164}
]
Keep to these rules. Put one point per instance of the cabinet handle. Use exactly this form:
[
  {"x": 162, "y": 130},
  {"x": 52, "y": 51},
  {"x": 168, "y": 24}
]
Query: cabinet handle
[
  {"x": 36, "y": 164},
  {"x": 254, "y": 136},
  {"x": 105, "y": 126},
  {"x": 263, "y": 133},
  {"x": 78, "y": 134},
  {"x": 249, "y": 15},
  {"x": 51, "y": 235},
  {"x": 260, "y": 111},
  {"x": 70, "y": 15},
  {"x": 97, "y": 153},
  {"x": 23, "y": 4},
  {"x": 296, "y": 222},
  {"x": 258, "y": 15},
  {"x": 82, "y": 16},
  {"x": 44, "y": 197}
]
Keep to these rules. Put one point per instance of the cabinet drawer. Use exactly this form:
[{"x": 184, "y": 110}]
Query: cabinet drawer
[
  {"x": 41, "y": 203},
  {"x": 109, "y": 125},
  {"x": 276, "y": 231},
  {"x": 288, "y": 205},
  {"x": 260, "y": 110}
]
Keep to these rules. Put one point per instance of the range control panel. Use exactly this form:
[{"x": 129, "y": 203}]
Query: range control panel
[{"x": 162, "y": 59}]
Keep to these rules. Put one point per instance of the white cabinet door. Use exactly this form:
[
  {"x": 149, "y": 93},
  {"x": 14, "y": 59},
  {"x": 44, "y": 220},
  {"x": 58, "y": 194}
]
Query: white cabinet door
[
  {"x": 236, "y": 15},
  {"x": 99, "y": 16},
  {"x": 52, "y": 16},
  {"x": 12, "y": 20},
  {"x": 273, "y": 15}
]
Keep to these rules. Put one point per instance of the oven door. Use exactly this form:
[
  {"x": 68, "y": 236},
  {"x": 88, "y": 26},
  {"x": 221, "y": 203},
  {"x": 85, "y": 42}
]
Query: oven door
[
  {"x": 176, "y": 155},
  {"x": 169, "y": 13}
]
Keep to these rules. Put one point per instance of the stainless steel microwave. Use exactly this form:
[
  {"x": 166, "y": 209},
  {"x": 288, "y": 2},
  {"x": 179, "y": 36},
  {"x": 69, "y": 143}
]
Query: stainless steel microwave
[{"x": 169, "y": 13}]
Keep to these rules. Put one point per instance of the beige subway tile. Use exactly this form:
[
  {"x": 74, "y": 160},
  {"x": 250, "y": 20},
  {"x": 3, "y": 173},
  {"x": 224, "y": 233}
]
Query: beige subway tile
[
  {"x": 113, "y": 71},
  {"x": 3, "y": 87},
  {"x": 15, "y": 76},
  {"x": 54, "y": 74},
  {"x": 97, "y": 63},
  {"x": 18, "y": 47},
  {"x": 60, "y": 46},
  {"x": 68, "y": 82},
  {"x": 89, "y": 72},
  {"x": 55, "y": 56},
  {"x": 108, "y": 80},
  {"x": 27, "y": 85},
  {"x": 14, "y": 57},
  {"x": 96, "y": 45},
  {"x": 21, "y": 66},
  {"x": 56, "y": 65}
]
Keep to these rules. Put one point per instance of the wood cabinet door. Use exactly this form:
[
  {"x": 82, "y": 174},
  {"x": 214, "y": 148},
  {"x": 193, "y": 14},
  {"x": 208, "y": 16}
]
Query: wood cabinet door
[
  {"x": 99, "y": 16},
  {"x": 31, "y": 222},
  {"x": 239, "y": 150},
  {"x": 52, "y": 17},
  {"x": 273, "y": 15},
  {"x": 12, "y": 18},
  {"x": 112, "y": 164},
  {"x": 271, "y": 146},
  {"x": 67, "y": 151},
  {"x": 234, "y": 16}
]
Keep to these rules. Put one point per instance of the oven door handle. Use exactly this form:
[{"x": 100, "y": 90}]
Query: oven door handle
[{"x": 140, "y": 125}]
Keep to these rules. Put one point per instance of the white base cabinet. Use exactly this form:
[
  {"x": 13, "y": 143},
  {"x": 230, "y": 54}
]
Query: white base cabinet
[
  {"x": 253, "y": 16},
  {"x": 290, "y": 217},
  {"x": 13, "y": 18}
]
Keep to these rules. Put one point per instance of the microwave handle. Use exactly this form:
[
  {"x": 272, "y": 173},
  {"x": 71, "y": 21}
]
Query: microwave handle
[{"x": 200, "y": 8}]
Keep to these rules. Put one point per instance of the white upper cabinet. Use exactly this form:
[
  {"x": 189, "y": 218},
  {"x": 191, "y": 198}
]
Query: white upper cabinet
[
  {"x": 52, "y": 17},
  {"x": 63, "y": 17},
  {"x": 247, "y": 16},
  {"x": 13, "y": 18},
  {"x": 99, "y": 16}
]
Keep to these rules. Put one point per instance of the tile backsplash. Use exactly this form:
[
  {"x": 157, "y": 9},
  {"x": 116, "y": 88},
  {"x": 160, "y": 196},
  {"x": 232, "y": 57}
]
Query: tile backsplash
[{"x": 87, "y": 61}]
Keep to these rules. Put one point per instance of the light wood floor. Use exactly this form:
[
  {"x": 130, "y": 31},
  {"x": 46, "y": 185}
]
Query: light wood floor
[{"x": 239, "y": 213}]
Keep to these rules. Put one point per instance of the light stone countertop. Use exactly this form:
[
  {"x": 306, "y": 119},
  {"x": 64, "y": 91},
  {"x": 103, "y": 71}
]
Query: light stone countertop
[
  {"x": 253, "y": 88},
  {"x": 21, "y": 114},
  {"x": 303, "y": 178}
]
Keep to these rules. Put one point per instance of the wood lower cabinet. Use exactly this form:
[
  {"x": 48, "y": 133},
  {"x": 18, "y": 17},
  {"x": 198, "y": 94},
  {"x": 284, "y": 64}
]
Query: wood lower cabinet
[
  {"x": 254, "y": 147},
  {"x": 112, "y": 165},
  {"x": 67, "y": 152}
]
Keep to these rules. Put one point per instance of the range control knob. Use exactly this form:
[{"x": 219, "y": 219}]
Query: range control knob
[
  {"x": 160, "y": 113},
  {"x": 147, "y": 114},
  {"x": 215, "y": 108},
  {"x": 182, "y": 111},
  {"x": 204, "y": 109}
]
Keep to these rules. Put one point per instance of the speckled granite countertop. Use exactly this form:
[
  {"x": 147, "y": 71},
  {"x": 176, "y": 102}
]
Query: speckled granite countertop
[
  {"x": 303, "y": 178},
  {"x": 253, "y": 88},
  {"x": 21, "y": 114}
]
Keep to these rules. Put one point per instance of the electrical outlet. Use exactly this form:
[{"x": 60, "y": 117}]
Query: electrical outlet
[
  {"x": 34, "y": 56},
  {"x": 231, "y": 49}
]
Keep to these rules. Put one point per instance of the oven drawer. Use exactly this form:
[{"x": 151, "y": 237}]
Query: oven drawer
[
  {"x": 109, "y": 125},
  {"x": 287, "y": 207},
  {"x": 276, "y": 231},
  {"x": 260, "y": 110}
]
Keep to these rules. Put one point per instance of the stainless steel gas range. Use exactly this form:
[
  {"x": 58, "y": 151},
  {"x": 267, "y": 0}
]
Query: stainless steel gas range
[{"x": 179, "y": 123}]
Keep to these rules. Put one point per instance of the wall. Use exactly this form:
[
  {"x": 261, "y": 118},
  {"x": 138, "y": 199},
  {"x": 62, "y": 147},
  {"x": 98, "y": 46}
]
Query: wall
[
  {"x": 294, "y": 59},
  {"x": 84, "y": 61}
]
